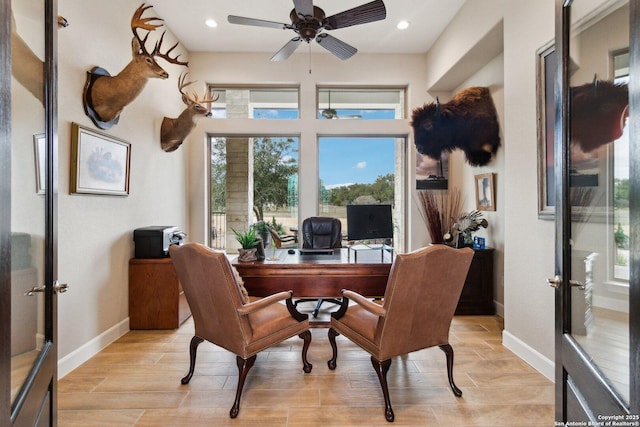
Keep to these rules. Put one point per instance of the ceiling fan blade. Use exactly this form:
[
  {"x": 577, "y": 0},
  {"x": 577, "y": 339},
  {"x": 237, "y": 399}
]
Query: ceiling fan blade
[
  {"x": 287, "y": 49},
  {"x": 304, "y": 7},
  {"x": 370, "y": 12},
  {"x": 339, "y": 48},
  {"x": 257, "y": 22},
  {"x": 329, "y": 113}
]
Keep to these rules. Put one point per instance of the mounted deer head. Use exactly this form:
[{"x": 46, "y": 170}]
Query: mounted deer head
[
  {"x": 105, "y": 96},
  {"x": 174, "y": 131}
]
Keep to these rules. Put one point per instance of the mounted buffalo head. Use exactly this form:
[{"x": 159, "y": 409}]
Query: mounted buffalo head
[
  {"x": 598, "y": 113},
  {"x": 468, "y": 122}
]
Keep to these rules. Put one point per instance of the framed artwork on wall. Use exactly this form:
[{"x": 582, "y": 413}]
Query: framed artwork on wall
[
  {"x": 485, "y": 192},
  {"x": 432, "y": 174},
  {"x": 99, "y": 163}
]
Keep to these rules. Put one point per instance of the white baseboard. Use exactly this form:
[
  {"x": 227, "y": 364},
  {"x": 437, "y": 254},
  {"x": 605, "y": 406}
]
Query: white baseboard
[
  {"x": 539, "y": 362},
  {"x": 76, "y": 358}
]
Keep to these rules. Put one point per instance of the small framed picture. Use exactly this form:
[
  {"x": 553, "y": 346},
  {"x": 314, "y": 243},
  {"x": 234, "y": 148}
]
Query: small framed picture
[
  {"x": 40, "y": 154},
  {"x": 485, "y": 192},
  {"x": 99, "y": 163}
]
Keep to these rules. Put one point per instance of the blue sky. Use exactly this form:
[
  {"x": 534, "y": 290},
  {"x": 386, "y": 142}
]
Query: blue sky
[{"x": 354, "y": 160}]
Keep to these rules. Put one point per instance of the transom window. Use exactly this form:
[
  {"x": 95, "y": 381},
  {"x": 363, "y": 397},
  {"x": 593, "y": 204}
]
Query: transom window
[
  {"x": 361, "y": 104},
  {"x": 255, "y": 103}
]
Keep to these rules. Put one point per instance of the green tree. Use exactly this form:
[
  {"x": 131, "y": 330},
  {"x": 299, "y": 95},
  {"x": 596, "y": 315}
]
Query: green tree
[
  {"x": 272, "y": 167},
  {"x": 622, "y": 240},
  {"x": 621, "y": 193},
  {"x": 381, "y": 190},
  {"x": 218, "y": 187}
]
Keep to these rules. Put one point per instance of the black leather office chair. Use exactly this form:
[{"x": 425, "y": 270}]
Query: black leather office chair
[{"x": 321, "y": 233}]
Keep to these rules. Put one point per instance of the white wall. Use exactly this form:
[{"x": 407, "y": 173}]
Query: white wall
[
  {"x": 529, "y": 241},
  {"x": 96, "y": 232}
]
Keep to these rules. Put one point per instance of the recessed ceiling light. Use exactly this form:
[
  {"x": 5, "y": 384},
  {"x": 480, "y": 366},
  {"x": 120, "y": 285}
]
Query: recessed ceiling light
[
  {"x": 211, "y": 23},
  {"x": 403, "y": 25}
]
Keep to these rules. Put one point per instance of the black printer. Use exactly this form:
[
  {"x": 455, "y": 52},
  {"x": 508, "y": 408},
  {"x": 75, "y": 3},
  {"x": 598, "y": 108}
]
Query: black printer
[{"x": 154, "y": 241}]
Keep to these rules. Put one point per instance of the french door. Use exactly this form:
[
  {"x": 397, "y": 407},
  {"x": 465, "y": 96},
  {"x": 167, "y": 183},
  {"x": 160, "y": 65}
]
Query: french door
[
  {"x": 597, "y": 176},
  {"x": 28, "y": 146}
]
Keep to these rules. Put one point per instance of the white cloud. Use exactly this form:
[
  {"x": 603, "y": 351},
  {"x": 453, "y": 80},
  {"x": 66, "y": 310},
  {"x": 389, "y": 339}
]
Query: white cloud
[{"x": 361, "y": 165}]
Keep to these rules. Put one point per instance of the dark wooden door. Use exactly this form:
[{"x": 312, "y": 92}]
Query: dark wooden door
[
  {"x": 28, "y": 289},
  {"x": 597, "y": 173}
]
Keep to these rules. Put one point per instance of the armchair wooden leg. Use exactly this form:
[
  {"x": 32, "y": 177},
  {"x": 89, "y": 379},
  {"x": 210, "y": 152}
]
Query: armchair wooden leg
[
  {"x": 381, "y": 369},
  {"x": 193, "y": 348},
  {"x": 243, "y": 369},
  {"x": 306, "y": 336},
  {"x": 448, "y": 350},
  {"x": 332, "y": 340}
]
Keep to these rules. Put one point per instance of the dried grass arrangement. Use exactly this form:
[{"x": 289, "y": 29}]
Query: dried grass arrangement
[{"x": 440, "y": 208}]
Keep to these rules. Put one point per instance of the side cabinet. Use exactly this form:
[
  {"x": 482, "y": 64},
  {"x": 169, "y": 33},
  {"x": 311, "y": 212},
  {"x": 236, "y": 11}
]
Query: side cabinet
[
  {"x": 156, "y": 298},
  {"x": 477, "y": 294}
]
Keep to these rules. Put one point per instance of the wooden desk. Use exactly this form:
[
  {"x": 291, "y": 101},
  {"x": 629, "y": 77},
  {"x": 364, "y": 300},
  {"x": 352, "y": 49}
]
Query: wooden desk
[
  {"x": 317, "y": 275},
  {"x": 324, "y": 276}
]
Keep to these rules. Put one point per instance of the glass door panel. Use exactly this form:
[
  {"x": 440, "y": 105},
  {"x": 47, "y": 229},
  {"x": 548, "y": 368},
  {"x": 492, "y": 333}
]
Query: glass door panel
[
  {"x": 28, "y": 154},
  {"x": 599, "y": 189}
]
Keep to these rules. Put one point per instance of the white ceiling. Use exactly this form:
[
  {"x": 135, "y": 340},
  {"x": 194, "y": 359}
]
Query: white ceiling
[{"x": 185, "y": 19}]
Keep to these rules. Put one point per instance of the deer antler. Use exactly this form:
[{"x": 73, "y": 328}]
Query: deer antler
[
  {"x": 192, "y": 98},
  {"x": 137, "y": 21},
  {"x": 165, "y": 56}
]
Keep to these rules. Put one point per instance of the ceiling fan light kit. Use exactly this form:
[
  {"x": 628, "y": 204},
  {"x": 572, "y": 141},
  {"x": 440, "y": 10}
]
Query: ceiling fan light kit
[{"x": 309, "y": 22}]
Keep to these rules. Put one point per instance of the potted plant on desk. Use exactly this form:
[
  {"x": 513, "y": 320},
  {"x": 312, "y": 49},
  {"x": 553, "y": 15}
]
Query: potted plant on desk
[{"x": 248, "y": 242}]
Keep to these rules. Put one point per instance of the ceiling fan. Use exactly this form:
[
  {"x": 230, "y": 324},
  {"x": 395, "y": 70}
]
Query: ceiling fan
[
  {"x": 309, "y": 22},
  {"x": 331, "y": 113}
]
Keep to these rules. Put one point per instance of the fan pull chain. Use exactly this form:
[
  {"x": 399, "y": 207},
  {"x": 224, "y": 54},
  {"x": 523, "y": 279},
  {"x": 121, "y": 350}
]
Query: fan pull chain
[{"x": 309, "y": 57}]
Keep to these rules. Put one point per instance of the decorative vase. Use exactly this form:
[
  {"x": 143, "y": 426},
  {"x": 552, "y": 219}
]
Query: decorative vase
[{"x": 247, "y": 255}]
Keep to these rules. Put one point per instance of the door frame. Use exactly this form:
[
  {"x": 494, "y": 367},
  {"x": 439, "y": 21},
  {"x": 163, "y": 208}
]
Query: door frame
[
  {"x": 5, "y": 210},
  {"x": 36, "y": 403},
  {"x": 634, "y": 206},
  {"x": 582, "y": 391}
]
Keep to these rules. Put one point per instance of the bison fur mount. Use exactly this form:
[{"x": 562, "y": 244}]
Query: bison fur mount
[
  {"x": 468, "y": 122},
  {"x": 598, "y": 113}
]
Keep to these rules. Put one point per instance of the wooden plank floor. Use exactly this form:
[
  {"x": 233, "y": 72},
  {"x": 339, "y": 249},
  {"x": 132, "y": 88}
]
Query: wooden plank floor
[{"x": 136, "y": 382}]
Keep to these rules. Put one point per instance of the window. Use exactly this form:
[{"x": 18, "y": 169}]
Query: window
[
  {"x": 361, "y": 104},
  {"x": 255, "y": 103},
  {"x": 620, "y": 169},
  {"x": 252, "y": 179},
  {"x": 255, "y": 176},
  {"x": 360, "y": 170}
]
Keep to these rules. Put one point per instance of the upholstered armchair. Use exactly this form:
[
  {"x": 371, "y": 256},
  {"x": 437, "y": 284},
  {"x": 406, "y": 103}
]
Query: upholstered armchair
[
  {"x": 319, "y": 232},
  {"x": 422, "y": 292},
  {"x": 224, "y": 316}
]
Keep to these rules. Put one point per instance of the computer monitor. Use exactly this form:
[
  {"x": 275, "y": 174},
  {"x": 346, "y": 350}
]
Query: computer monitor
[{"x": 369, "y": 222}]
